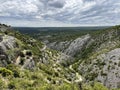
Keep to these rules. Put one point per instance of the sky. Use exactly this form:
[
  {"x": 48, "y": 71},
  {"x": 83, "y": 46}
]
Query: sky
[{"x": 60, "y": 13}]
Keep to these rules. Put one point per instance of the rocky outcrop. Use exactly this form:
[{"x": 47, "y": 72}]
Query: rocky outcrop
[
  {"x": 73, "y": 47},
  {"x": 111, "y": 69},
  {"x": 60, "y": 46},
  {"x": 65, "y": 60},
  {"x": 77, "y": 45},
  {"x": 7, "y": 42},
  {"x": 29, "y": 63},
  {"x": 4, "y": 27},
  {"x": 104, "y": 68},
  {"x": 103, "y": 61}
]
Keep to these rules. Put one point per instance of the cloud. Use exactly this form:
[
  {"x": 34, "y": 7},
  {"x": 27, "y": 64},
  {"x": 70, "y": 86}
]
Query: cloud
[
  {"x": 57, "y": 4},
  {"x": 73, "y": 12}
]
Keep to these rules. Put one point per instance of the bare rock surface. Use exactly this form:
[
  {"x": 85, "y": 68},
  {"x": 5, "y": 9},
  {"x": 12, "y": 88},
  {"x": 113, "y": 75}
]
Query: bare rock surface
[
  {"x": 77, "y": 45},
  {"x": 8, "y": 42},
  {"x": 105, "y": 68},
  {"x": 72, "y": 47}
]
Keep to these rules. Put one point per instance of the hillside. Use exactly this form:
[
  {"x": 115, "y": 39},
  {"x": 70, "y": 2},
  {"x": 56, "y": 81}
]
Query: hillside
[
  {"x": 102, "y": 58},
  {"x": 26, "y": 63},
  {"x": 85, "y": 62},
  {"x": 96, "y": 55}
]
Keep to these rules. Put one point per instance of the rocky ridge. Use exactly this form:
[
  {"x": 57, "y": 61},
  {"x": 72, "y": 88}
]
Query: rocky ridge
[{"x": 73, "y": 47}]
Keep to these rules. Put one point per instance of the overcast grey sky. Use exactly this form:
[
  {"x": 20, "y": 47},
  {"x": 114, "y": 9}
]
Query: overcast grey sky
[{"x": 60, "y": 12}]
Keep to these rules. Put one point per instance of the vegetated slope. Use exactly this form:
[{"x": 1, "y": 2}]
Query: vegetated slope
[
  {"x": 100, "y": 61},
  {"x": 26, "y": 63},
  {"x": 97, "y": 55}
]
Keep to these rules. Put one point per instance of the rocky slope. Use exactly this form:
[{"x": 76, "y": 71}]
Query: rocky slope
[
  {"x": 102, "y": 61},
  {"x": 71, "y": 48},
  {"x": 97, "y": 55},
  {"x": 26, "y": 63},
  {"x": 14, "y": 47},
  {"x": 19, "y": 53}
]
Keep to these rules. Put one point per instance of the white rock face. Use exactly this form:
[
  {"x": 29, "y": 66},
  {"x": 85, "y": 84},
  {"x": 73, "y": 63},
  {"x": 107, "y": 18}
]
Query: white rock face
[
  {"x": 107, "y": 68},
  {"x": 77, "y": 45},
  {"x": 8, "y": 42},
  {"x": 4, "y": 28},
  {"x": 115, "y": 52},
  {"x": 72, "y": 47},
  {"x": 112, "y": 69}
]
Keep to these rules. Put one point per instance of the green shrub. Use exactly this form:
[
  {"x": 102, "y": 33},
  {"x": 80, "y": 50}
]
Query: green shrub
[
  {"x": 20, "y": 84},
  {"x": 2, "y": 84},
  {"x": 22, "y": 61},
  {"x": 68, "y": 87},
  {"x": 14, "y": 69},
  {"x": 5, "y": 72},
  {"x": 12, "y": 85},
  {"x": 95, "y": 86},
  {"x": 29, "y": 53},
  {"x": 99, "y": 86},
  {"x": 46, "y": 87},
  {"x": 87, "y": 87},
  {"x": 21, "y": 54}
]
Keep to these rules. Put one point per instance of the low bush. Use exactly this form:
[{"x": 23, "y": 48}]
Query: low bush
[{"x": 5, "y": 72}]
